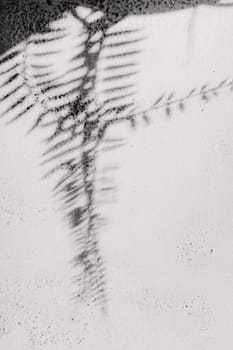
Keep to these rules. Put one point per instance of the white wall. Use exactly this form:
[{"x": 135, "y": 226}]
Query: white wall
[{"x": 168, "y": 244}]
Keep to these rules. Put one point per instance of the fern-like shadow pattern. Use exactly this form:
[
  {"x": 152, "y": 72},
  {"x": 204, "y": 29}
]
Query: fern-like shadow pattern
[{"x": 63, "y": 98}]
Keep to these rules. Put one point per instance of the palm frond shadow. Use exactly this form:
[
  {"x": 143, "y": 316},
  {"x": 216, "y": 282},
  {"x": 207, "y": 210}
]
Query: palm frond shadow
[
  {"x": 205, "y": 93},
  {"x": 69, "y": 106}
]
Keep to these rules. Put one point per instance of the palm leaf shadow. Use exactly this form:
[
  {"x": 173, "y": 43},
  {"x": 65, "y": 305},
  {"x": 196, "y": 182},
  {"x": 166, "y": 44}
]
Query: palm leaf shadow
[
  {"x": 68, "y": 107},
  {"x": 79, "y": 123}
]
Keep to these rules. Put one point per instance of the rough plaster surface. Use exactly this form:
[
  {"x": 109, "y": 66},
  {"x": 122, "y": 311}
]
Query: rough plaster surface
[{"x": 168, "y": 244}]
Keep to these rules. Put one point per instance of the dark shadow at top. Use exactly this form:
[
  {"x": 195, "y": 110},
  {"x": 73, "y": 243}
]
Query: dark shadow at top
[{"x": 21, "y": 18}]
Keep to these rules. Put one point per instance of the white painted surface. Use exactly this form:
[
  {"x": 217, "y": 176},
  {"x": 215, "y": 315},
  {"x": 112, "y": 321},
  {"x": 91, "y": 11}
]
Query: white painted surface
[{"x": 168, "y": 245}]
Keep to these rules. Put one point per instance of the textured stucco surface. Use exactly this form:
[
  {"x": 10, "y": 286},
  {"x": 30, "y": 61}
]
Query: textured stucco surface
[{"x": 168, "y": 244}]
